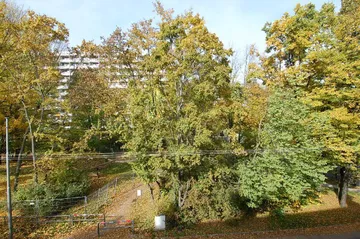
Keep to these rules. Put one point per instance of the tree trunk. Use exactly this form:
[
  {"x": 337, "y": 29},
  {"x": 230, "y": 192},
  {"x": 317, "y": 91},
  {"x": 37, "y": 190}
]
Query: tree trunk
[
  {"x": 343, "y": 186},
  {"x": 160, "y": 192},
  {"x": 19, "y": 162},
  {"x": 32, "y": 142},
  {"x": 2, "y": 149},
  {"x": 182, "y": 194},
  {"x": 151, "y": 192}
]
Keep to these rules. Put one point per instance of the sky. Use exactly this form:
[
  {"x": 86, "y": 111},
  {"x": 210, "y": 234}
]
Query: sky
[{"x": 236, "y": 22}]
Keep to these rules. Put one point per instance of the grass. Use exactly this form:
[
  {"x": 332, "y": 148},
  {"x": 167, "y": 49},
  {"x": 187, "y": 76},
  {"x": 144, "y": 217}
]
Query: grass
[
  {"x": 26, "y": 176},
  {"x": 322, "y": 213},
  {"x": 100, "y": 171},
  {"x": 319, "y": 217},
  {"x": 107, "y": 171},
  {"x": 116, "y": 169},
  {"x": 323, "y": 216}
]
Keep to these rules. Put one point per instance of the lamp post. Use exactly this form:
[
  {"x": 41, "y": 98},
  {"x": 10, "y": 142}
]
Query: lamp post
[{"x": 8, "y": 181}]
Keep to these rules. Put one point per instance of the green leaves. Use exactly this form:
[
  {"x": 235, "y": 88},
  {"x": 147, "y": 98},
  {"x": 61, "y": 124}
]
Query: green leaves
[
  {"x": 287, "y": 163},
  {"x": 316, "y": 53}
]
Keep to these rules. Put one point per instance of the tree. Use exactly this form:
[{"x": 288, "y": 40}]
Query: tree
[
  {"x": 10, "y": 17},
  {"x": 317, "y": 52},
  {"x": 29, "y": 63},
  {"x": 87, "y": 101},
  {"x": 247, "y": 112},
  {"x": 287, "y": 165},
  {"x": 179, "y": 89}
]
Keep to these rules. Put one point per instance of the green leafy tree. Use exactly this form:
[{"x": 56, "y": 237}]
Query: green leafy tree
[
  {"x": 287, "y": 165},
  {"x": 179, "y": 93},
  {"x": 87, "y": 99}
]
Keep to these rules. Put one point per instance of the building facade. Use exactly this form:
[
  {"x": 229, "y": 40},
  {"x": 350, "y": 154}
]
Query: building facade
[{"x": 68, "y": 64}]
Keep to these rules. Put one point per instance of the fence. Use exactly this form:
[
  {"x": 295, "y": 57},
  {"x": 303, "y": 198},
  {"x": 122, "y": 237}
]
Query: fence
[
  {"x": 114, "y": 224},
  {"x": 70, "y": 218},
  {"x": 95, "y": 202},
  {"x": 26, "y": 225},
  {"x": 91, "y": 204},
  {"x": 30, "y": 215}
]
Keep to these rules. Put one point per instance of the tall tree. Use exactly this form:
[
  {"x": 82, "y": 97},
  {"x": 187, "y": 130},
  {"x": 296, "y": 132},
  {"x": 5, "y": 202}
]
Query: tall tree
[
  {"x": 179, "y": 90},
  {"x": 30, "y": 67},
  {"x": 317, "y": 52}
]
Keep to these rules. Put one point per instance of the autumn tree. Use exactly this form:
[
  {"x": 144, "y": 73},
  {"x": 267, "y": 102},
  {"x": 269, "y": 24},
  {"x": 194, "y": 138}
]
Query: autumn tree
[
  {"x": 88, "y": 103},
  {"x": 30, "y": 69},
  {"x": 10, "y": 18},
  {"x": 317, "y": 52}
]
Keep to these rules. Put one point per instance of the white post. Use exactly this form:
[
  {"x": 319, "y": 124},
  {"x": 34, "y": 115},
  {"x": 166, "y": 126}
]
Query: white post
[{"x": 160, "y": 222}]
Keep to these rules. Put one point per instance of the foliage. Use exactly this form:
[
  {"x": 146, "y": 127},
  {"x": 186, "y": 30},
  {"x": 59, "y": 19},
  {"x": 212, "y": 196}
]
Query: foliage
[
  {"x": 247, "y": 112},
  {"x": 165, "y": 92},
  {"x": 178, "y": 103},
  {"x": 316, "y": 52},
  {"x": 87, "y": 102},
  {"x": 29, "y": 74},
  {"x": 212, "y": 199},
  {"x": 67, "y": 179},
  {"x": 62, "y": 180},
  {"x": 287, "y": 162}
]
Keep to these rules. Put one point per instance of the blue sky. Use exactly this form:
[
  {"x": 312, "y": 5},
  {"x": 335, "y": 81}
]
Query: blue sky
[{"x": 236, "y": 22}]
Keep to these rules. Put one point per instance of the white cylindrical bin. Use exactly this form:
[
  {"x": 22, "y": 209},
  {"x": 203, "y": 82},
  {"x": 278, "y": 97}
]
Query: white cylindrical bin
[
  {"x": 138, "y": 193},
  {"x": 160, "y": 222}
]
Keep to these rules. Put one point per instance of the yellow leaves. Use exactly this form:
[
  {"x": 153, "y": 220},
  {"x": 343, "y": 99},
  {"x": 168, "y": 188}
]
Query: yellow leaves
[
  {"x": 342, "y": 117},
  {"x": 316, "y": 52}
]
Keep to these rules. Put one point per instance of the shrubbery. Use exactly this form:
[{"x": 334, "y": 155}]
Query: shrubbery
[{"x": 64, "y": 181}]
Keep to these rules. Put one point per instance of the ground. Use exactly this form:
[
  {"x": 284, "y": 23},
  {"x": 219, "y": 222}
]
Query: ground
[
  {"x": 322, "y": 216},
  {"x": 120, "y": 209},
  {"x": 320, "y": 219}
]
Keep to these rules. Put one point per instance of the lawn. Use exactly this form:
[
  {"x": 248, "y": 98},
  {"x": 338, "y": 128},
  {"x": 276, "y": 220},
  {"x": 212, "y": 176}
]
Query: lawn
[
  {"x": 24, "y": 178},
  {"x": 323, "y": 213},
  {"x": 100, "y": 172},
  {"x": 321, "y": 216}
]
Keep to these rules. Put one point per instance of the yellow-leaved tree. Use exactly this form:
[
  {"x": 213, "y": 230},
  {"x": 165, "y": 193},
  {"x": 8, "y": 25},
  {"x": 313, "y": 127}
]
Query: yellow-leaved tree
[{"x": 317, "y": 53}]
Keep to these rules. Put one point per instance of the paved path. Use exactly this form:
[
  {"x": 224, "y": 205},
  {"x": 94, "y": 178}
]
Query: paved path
[{"x": 350, "y": 235}]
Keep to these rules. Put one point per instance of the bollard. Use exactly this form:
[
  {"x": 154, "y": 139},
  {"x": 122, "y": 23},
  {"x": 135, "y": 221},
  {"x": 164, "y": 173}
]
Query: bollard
[
  {"x": 160, "y": 222},
  {"x": 85, "y": 204},
  {"x": 71, "y": 220}
]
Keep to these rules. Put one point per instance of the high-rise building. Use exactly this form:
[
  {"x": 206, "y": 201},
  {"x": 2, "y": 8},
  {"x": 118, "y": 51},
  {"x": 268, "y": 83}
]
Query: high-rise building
[{"x": 68, "y": 63}]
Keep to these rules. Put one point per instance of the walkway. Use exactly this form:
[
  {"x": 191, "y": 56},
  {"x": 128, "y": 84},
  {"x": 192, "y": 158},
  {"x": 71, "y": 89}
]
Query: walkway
[{"x": 351, "y": 235}]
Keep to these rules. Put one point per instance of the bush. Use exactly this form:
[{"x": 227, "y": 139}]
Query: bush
[
  {"x": 63, "y": 181},
  {"x": 206, "y": 201},
  {"x": 34, "y": 200},
  {"x": 66, "y": 180}
]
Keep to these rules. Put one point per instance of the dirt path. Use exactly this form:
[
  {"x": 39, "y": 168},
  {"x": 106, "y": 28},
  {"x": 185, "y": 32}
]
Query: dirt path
[
  {"x": 121, "y": 206},
  {"x": 120, "y": 209}
]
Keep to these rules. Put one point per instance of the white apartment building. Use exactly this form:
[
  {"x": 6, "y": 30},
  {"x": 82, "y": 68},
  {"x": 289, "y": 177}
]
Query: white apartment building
[{"x": 68, "y": 63}]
